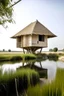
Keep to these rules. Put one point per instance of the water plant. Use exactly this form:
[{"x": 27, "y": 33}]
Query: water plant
[
  {"x": 60, "y": 79},
  {"x": 55, "y": 88},
  {"x": 19, "y": 73},
  {"x": 24, "y": 78},
  {"x": 45, "y": 90}
]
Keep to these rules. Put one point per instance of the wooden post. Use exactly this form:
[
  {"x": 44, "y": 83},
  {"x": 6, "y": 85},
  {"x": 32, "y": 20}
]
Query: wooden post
[
  {"x": 41, "y": 50},
  {"x": 40, "y": 64},
  {"x": 23, "y": 51}
]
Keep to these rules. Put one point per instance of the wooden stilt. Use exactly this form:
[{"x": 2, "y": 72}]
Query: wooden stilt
[
  {"x": 40, "y": 64},
  {"x": 41, "y": 50},
  {"x": 23, "y": 51},
  {"x": 31, "y": 49}
]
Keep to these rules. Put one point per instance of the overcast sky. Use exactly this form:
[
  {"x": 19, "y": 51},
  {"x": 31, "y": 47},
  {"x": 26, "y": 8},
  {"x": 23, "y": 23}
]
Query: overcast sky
[{"x": 49, "y": 12}]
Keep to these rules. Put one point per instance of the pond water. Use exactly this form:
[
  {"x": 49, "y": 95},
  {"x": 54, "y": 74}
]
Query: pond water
[{"x": 49, "y": 66}]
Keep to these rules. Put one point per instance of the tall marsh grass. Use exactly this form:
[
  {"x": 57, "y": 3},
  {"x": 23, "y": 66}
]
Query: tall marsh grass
[
  {"x": 29, "y": 73},
  {"x": 55, "y": 88},
  {"x": 60, "y": 79},
  {"x": 45, "y": 90},
  {"x": 24, "y": 77}
]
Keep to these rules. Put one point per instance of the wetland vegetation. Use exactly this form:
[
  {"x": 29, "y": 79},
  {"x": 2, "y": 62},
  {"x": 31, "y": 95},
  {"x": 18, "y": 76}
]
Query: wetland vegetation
[
  {"x": 23, "y": 80},
  {"x": 16, "y": 57},
  {"x": 54, "y": 88},
  {"x": 24, "y": 77},
  {"x": 19, "y": 57}
]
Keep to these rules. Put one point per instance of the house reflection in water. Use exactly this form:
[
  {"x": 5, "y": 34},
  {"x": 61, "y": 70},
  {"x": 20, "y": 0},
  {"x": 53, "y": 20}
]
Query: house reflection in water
[{"x": 42, "y": 71}]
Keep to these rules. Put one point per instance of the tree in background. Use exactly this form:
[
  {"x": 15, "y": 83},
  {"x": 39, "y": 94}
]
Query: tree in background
[
  {"x": 50, "y": 50},
  {"x": 3, "y": 50},
  {"x": 9, "y": 50},
  {"x": 54, "y": 49},
  {"x": 6, "y": 11}
]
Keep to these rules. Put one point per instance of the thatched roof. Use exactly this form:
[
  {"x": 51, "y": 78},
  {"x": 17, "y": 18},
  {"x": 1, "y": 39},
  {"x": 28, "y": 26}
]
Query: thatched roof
[{"x": 35, "y": 28}]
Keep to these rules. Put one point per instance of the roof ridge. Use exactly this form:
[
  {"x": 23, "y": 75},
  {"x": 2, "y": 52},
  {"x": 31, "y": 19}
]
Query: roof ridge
[{"x": 34, "y": 25}]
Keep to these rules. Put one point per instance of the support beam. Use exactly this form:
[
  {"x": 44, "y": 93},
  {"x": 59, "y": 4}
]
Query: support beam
[
  {"x": 31, "y": 49},
  {"x": 41, "y": 50},
  {"x": 23, "y": 51},
  {"x": 40, "y": 64}
]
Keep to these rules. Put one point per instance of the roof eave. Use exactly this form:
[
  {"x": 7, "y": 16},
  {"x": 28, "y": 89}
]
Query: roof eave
[
  {"x": 13, "y": 37},
  {"x": 52, "y": 36}
]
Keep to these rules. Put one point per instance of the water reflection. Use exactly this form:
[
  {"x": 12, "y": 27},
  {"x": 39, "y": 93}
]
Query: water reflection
[
  {"x": 42, "y": 71},
  {"x": 51, "y": 66},
  {"x": 46, "y": 69},
  {"x": 10, "y": 67}
]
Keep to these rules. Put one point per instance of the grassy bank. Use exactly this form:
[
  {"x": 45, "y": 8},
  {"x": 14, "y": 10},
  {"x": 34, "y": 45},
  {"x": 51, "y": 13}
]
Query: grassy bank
[
  {"x": 12, "y": 56},
  {"x": 55, "y": 88},
  {"x": 16, "y": 57}
]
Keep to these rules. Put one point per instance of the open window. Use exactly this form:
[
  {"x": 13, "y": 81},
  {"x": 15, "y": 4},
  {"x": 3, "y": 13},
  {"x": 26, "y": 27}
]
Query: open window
[{"x": 41, "y": 38}]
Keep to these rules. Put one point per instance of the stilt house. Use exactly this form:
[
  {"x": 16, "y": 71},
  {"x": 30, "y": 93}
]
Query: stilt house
[{"x": 33, "y": 37}]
